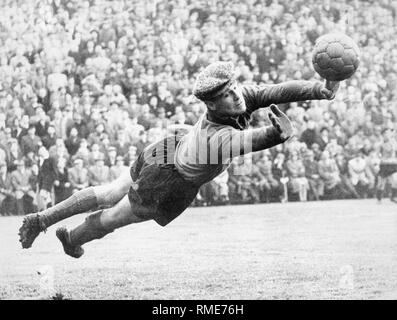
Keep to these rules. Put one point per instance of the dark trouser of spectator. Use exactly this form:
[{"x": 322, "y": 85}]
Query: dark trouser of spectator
[
  {"x": 250, "y": 193},
  {"x": 276, "y": 190},
  {"x": 393, "y": 195},
  {"x": 362, "y": 189},
  {"x": 316, "y": 190},
  {"x": 393, "y": 186},
  {"x": 8, "y": 206},
  {"x": 243, "y": 192},
  {"x": 347, "y": 188},
  {"x": 62, "y": 194},
  {"x": 335, "y": 192},
  {"x": 293, "y": 189},
  {"x": 265, "y": 191},
  {"x": 381, "y": 186},
  {"x": 25, "y": 205}
]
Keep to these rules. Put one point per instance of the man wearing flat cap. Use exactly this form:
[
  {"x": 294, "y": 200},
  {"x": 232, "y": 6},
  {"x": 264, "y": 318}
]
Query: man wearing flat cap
[
  {"x": 78, "y": 175},
  {"x": 167, "y": 175},
  {"x": 98, "y": 173}
]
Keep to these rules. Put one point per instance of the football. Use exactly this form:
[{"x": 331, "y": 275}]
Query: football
[{"x": 336, "y": 56}]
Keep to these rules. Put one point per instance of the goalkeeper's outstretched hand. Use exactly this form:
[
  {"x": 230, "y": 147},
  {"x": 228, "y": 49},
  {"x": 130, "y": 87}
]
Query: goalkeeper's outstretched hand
[
  {"x": 281, "y": 122},
  {"x": 329, "y": 89}
]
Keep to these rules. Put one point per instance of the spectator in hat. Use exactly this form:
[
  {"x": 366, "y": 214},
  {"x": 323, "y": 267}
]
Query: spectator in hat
[
  {"x": 117, "y": 169},
  {"x": 78, "y": 175},
  {"x": 98, "y": 173}
]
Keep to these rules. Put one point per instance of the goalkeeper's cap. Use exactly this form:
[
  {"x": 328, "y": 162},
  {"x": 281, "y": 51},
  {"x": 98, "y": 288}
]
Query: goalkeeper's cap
[{"x": 214, "y": 80}]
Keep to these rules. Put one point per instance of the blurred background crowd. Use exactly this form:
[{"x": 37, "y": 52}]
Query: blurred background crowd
[{"x": 86, "y": 85}]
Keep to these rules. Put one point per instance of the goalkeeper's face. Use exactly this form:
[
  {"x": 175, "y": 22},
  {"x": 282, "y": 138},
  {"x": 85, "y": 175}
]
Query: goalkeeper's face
[{"x": 229, "y": 103}]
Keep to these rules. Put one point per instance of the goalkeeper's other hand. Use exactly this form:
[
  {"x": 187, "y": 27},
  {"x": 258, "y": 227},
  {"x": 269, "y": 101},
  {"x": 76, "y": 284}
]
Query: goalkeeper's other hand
[{"x": 281, "y": 122}]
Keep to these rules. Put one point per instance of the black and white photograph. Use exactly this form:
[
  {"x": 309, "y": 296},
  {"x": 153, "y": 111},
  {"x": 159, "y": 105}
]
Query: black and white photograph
[{"x": 174, "y": 150}]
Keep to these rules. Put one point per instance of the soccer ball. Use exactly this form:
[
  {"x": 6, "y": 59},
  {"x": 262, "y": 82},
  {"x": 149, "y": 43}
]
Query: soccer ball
[{"x": 335, "y": 56}]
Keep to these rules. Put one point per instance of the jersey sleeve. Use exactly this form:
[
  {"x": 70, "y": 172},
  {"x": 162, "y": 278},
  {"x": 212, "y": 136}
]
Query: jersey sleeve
[
  {"x": 298, "y": 90},
  {"x": 228, "y": 143}
]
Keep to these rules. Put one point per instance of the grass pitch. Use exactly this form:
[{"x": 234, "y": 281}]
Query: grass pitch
[{"x": 313, "y": 250}]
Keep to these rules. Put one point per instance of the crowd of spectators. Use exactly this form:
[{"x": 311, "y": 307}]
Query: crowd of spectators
[{"x": 86, "y": 85}]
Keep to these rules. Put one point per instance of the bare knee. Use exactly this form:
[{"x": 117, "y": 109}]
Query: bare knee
[
  {"x": 120, "y": 215},
  {"x": 112, "y": 193}
]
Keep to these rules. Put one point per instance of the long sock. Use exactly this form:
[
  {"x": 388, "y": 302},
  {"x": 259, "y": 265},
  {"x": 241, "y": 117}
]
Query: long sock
[
  {"x": 89, "y": 230},
  {"x": 82, "y": 201},
  {"x": 379, "y": 194},
  {"x": 393, "y": 195}
]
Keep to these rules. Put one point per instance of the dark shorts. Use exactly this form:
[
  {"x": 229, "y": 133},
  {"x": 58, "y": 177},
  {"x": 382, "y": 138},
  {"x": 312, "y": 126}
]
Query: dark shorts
[
  {"x": 387, "y": 168},
  {"x": 158, "y": 186}
]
